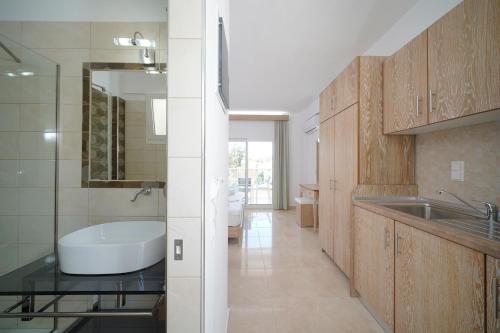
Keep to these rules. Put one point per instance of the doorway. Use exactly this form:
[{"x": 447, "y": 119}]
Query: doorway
[{"x": 251, "y": 172}]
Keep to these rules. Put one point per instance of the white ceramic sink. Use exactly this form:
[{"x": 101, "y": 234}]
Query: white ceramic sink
[{"x": 112, "y": 248}]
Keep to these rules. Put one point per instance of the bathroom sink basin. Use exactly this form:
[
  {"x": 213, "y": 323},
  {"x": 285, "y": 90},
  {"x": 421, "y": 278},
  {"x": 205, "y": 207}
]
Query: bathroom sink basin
[
  {"x": 112, "y": 248},
  {"x": 428, "y": 211}
]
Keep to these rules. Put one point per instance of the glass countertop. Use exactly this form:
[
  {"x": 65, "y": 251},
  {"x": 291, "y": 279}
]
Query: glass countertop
[{"x": 41, "y": 277}]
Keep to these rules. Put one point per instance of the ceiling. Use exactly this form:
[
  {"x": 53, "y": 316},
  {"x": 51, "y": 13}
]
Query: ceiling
[{"x": 284, "y": 52}]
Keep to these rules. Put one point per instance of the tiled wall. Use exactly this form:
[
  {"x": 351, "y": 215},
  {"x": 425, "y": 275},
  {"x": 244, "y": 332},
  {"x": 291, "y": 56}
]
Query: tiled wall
[
  {"x": 184, "y": 164},
  {"x": 142, "y": 160},
  {"x": 478, "y": 146},
  {"x": 70, "y": 44}
]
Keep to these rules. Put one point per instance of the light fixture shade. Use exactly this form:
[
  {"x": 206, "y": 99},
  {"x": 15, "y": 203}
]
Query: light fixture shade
[{"x": 123, "y": 41}]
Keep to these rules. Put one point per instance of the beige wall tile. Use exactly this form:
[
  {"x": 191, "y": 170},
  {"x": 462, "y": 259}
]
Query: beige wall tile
[
  {"x": 104, "y": 32},
  {"x": 96, "y": 219},
  {"x": 189, "y": 230},
  {"x": 116, "y": 202},
  {"x": 478, "y": 146},
  {"x": 73, "y": 201},
  {"x": 68, "y": 224},
  {"x": 9, "y": 229},
  {"x": 11, "y": 29},
  {"x": 71, "y": 90},
  {"x": 9, "y": 117},
  {"x": 10, "y": 89},
  {"x": 29, "y": 252},
  {"x": 36, "y": 201},
  {"x": 184, "y": 71},
  {"x": 8, "y": 173},
  {"x": 36, "y": 229},
  {"x": 185, "y": 18},
  {"x": 9, "y": 259},
  {"x": 70, "y": 118},
  {"x": 36, "y": 173},
  {"x": 184, "y": 127},
  {"x": 39, "y": 89},
  {"x": 118, "y": 55},
  {"x": 184, "y": 189},
  {"x": 70, "y": 60},
  {"x": 9, "y": 203},
  {"x": 9, "y": 145},
  {"x": 70, "y": 145},
  {"x": 183, "y": 305},
  {"x": 70, "y": 174},
  {"x": 38, "y": 117},
  {"x": 37, "y": 145},
  {"x": 57, "y": 35}
]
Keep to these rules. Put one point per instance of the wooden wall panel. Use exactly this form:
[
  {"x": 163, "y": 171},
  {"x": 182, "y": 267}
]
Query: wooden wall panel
[
  {"x": 405, "y": 81},
  {"x": 492, "y": 272},
  {"x": 383, "y": 159},
  {"x": 346, "y": 87},
  {"x": 464, "y": 60}
]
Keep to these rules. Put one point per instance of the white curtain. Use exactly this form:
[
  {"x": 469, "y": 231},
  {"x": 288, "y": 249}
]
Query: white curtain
[{"x": 280, "y": 165}]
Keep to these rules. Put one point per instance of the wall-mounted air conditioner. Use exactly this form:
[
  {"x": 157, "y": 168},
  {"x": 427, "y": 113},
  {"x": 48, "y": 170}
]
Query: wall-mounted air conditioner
[{"x": 311, "y": 124}]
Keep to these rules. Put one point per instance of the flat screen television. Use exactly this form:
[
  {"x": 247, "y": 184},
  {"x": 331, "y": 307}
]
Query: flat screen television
[{"x": 223, "y": 76}]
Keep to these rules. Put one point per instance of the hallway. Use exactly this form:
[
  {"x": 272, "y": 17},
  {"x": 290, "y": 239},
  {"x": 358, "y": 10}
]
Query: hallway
[{"x": 281, "y": 282}]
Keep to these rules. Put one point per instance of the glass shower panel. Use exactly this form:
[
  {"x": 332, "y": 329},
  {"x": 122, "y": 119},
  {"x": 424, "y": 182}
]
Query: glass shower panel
[{"x": 28, "y": 118}]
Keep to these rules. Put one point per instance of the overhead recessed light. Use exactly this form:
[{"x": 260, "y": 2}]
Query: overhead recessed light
[
  {"x": 26, "y": 73},
  {"x": 11, "y": 74}
]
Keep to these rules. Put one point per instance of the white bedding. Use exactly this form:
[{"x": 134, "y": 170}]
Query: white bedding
[{"x": 235, "y": 213}]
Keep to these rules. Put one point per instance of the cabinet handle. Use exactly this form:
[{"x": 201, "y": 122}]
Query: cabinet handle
[
  {"x": 331, "y": 184},
  {"x": 418, "y": 106},
  {"x": 386, "y": 238},
  {"x": 430, "y": 101},
  {"x": 398, "y": 251},
  {"x": 494, "y": 296},
  {"x": 332, "y": 102}
]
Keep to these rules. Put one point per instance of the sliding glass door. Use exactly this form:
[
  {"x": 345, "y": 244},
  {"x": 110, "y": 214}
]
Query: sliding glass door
[{"x": 251, "y": 171}]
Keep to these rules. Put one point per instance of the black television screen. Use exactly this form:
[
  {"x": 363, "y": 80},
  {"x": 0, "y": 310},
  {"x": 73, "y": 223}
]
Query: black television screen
[{"x": 223, "y": 76}]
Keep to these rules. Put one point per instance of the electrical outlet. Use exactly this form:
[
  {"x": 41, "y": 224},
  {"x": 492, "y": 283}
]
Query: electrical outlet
[{"x": 457, "y": 170}]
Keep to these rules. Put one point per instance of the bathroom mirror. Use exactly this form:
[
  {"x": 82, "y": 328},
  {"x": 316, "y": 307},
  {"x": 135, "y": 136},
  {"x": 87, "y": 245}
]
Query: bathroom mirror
[{"x": 124, "y": 124}]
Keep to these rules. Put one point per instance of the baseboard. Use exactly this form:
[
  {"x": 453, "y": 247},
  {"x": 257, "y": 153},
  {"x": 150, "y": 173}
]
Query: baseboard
[{"x": 227, "y": 319}]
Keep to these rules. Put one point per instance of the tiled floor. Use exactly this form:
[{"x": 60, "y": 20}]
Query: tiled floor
[{"x": 281, "y": 282}]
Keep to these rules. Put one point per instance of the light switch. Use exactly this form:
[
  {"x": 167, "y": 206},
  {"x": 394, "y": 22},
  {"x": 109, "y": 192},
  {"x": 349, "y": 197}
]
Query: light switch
[
  {"x": 178, "y": 249},
  {"x": 457, "y": 170}
]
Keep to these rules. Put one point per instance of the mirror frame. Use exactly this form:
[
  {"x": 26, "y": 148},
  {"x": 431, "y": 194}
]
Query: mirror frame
[{"x": 87, "y": 69}]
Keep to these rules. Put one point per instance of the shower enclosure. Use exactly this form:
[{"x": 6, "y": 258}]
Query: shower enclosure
[{"x": 28, "y": 168}]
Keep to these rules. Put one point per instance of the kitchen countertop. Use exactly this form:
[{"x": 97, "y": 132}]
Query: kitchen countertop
[{"x": 436, "y": 227}]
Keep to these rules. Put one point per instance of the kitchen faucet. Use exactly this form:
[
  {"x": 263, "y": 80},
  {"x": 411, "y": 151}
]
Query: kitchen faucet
[{"x": 491, "y": 208}]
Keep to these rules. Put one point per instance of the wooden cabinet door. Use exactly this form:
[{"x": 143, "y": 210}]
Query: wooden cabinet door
[
  {"x": 373, "y": 256},
  {"x": 325, "y": 103},
  {"x": 439, "y": 285},
  {"x": 492, "y": 299},
  {"x": 405, "y": 86},
  {"x": 464, "y": 60},
  {"x": 346, "y": 177},
  {"x": 346, "y": 87},
  {"x": 325, "y": 209}
]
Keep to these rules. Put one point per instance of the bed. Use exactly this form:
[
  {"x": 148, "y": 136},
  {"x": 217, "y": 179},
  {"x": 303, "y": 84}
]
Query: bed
[{"x": 235, "y": 216}]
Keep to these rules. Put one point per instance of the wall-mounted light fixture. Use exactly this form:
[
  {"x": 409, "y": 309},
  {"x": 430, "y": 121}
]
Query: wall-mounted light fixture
[{"x": 147, "y": 51}]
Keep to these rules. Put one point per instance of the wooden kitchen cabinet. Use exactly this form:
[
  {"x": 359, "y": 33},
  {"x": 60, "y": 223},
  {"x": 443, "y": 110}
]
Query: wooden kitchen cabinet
[
  {"x": 345, "y": 181},
  {"x": 492, "y": 299},
  {"x": 353, "y": 152},
  {"x": 405, "y": 86},
  {"x": 439, "y": 285},
  {"x": 373, "y": 272},
  {"x": 346, "y": 90},
  {"x": 325, "y": 103},
  {"x": 326, "y": 176},
  {"x": 464, "y": 60}
]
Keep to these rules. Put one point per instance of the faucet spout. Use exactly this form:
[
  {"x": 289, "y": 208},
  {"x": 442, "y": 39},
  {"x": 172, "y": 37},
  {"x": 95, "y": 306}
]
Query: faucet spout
[
  {"x": 491, "y": 209},
  {"x": 146, "y": 190}
]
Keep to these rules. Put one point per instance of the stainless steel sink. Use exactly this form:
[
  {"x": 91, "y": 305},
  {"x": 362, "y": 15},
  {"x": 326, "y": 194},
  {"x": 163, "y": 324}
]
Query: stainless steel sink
[{"x": 428, "y": 211}]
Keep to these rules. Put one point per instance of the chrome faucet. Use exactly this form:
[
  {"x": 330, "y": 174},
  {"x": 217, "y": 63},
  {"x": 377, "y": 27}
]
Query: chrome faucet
[
  {"x": 146, "y": 190},
  {"x": 491, "y": 208}
]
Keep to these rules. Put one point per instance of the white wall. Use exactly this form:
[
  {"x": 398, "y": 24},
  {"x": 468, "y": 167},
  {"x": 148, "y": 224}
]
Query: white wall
[
  {"x": 83, "y": 10},
  {"x": 252, "y": 130},
  {"x": 215, "y": 164},
  {"x": 302, "y": 150},
  {"x": 411, "y": 24}
]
